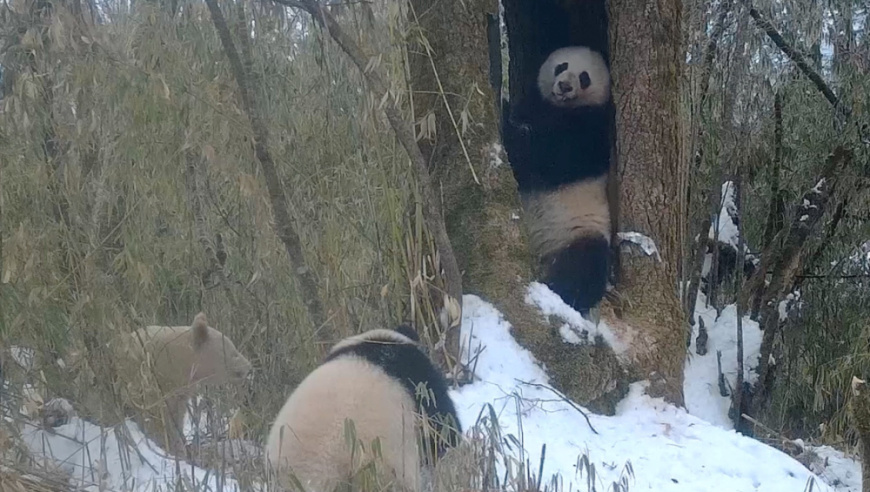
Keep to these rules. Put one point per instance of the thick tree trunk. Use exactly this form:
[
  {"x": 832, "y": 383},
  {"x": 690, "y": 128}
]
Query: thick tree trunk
[
  {"x": 450, "y": 79},
  {"x": 646, "y": 59},
  {"x": 454, "y": 76}
]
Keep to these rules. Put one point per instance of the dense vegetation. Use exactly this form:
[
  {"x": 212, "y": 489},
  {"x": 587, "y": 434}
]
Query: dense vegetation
[{"x": 130, "y": 192}]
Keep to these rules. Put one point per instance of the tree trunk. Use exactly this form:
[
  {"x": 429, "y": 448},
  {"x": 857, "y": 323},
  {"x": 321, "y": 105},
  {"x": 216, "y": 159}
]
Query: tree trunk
[
  {"x": 453, "y": 76},
  {"x": 450, "y": 81},
  {"x": 646, "y": 62}
]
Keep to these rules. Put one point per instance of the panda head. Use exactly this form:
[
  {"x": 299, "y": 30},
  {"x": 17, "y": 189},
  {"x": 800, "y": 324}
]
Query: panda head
[{"x": 573, "y": 77}]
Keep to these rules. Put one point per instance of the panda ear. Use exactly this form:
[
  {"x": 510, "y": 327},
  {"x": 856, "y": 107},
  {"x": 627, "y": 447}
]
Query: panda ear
[{"x": 200, "y": 330}]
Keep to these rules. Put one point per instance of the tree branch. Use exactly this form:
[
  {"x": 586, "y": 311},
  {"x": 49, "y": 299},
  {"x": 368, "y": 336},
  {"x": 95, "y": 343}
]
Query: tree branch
[
  {"x": 405, "y": 135},
  {"x": 830, "y": 232},
  {"x": 794, "y": 55},
  {"x": 707, "y": 69},
  {"x": 697, "y": 266},
  {"x": 283, "y": 224},
  {"x": 784, "y": 263}
]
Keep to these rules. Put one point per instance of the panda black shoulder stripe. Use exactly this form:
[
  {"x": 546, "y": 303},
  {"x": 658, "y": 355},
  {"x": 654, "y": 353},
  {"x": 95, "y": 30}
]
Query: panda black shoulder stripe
[
  {"x": 382, "y": 336},
  {"x": 401, "y": 359}
]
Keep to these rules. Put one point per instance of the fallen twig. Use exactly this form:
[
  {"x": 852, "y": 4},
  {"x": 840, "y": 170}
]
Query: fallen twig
[{"x": 563, "y": 398}]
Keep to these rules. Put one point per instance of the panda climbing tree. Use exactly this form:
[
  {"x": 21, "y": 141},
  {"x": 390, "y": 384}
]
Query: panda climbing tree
[
  {"x": 593, "y": 95},
  {"x": 558, "y": 143},
  {"x": 457, "y": 91}
]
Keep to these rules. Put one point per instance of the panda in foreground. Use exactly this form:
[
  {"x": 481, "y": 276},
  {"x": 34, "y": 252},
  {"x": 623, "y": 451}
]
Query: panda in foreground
[
  {"x": 384, "y": 383},
  {"x": 558, "y": 140}
]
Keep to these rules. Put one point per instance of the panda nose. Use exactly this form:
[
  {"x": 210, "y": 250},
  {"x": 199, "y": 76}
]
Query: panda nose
[
  {"x": 585, "y": 81},
  {"x": 564, "y": 87}
]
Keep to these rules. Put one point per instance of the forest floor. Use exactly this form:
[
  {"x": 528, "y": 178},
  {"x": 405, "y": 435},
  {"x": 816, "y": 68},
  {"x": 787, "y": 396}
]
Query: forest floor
[{"x": 647, "y": 445}]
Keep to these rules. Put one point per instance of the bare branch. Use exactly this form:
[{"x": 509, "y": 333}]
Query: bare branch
[
  {"x": 283, "y": 224},
  {"x": 405, "y": 135},
  {"x": 793, "y": 54},
  {"x": 707, "y": 68},
  {"x": 737, "y": 400},
  {"x": 563, "y": 398},
  {"x": 697, "y": 266}
]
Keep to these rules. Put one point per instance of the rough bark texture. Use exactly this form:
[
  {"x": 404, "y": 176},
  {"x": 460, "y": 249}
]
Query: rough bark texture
[
  {"x": 646, "y": 58},
  {"x": 449, "y": 77},
  {"x": 481, "y": 218}
]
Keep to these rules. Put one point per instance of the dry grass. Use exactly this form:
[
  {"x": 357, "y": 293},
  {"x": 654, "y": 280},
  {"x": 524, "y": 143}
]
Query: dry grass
[
  {"x": 129, "y": 108},
  {"x": 99, "y": 233}
]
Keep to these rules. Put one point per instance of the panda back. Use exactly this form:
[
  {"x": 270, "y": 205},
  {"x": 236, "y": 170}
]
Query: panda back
[
  {"x": 408, "y": 366},
  {"x": 308, "y": 437}
]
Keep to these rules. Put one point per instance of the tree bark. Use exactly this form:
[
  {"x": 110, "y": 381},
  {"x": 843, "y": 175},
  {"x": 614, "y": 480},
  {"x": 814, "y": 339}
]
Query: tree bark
[
  {"x": 449, "y": 77},
  {"x": 646, "y": 54}
]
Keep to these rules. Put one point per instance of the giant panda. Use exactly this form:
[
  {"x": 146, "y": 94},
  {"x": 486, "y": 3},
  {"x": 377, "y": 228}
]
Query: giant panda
[
  {"x": 558, "y": 140},
  {"x": 373, "y": 379}
]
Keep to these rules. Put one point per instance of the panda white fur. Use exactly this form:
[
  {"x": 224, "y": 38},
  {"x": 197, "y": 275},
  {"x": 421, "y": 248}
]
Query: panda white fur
[
  {"x": 373, "y": 380},
  {"x": 558, "y": 140}
]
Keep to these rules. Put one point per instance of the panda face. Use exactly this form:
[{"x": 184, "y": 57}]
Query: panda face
[{"x": 574, "y": 76}]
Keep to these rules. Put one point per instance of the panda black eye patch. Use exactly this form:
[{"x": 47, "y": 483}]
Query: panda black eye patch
[
  {"x": 585, "y": 81},
  {"x": 560, "y": 68}
]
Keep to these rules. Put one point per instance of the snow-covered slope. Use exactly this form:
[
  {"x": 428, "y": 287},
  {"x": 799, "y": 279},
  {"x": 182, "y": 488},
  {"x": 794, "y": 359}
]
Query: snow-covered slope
[
  {"x": 669, "y": 449},
  {"x": 658, "y": 446}
]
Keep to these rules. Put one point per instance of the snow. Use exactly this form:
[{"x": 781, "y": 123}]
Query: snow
[
  {"x": 648, "y": 442},
  {"x": 728, "y": 232},
  {"x": 790, "y": 302},
  {"x": 667, "y": 448},
  {"x": 104, "y": 459},
  {"x": 646, "y": 243},
  {"x": 834, "y": 467},
  {"x": 701, "y": 386},
  {"x": 495, "y": 152},
  {"x": 575, "y": 328}
]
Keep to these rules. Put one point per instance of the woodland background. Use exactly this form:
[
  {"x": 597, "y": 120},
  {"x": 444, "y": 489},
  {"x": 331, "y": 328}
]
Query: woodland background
[{"x": 135, "y": 190}]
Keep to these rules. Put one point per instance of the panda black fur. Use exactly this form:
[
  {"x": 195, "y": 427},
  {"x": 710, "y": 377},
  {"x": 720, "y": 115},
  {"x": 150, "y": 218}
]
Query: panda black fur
[
  {"x": 372, "y": 379},
  {"x": 558, "y": 140}
]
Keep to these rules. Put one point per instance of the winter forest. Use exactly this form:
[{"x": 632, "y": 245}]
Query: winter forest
[{"x": 288, "y": 174}]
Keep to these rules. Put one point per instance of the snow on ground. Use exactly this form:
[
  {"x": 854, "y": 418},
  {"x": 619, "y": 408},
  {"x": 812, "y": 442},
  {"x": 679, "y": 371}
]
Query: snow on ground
[
  {"x": 669, "y": 449},
  {"x": 701, "y": 385},
  {"x": 835, "y": 468},
  {"x": 575, "y": 328},
  {"x": 98, "y": 460}
]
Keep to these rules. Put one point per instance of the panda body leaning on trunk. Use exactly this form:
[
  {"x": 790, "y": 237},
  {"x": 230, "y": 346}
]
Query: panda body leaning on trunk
[{"x": 558, "y": 140}]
